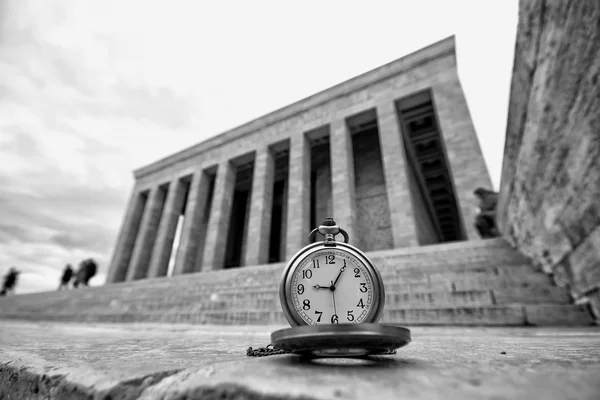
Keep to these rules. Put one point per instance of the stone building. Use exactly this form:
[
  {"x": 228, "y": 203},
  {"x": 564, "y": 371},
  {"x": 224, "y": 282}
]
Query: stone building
[{"x": 391, "y": 155}]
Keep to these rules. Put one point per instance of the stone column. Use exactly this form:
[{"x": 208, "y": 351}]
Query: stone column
[
  {"x": 140, "y": 260},
  {"x": 220, "y": 213},
  {"x": 193, "y": 232},
  {"x": 342, "y": 178},
  {"x": 261, "y": 205},
  {"x": 161, "y": 255},
  {"x": 126, "y": 238},
  {"x": 395, "y": 170},
  {"x": 298, "y": 206},
  {"x": 246, "y": 225}
]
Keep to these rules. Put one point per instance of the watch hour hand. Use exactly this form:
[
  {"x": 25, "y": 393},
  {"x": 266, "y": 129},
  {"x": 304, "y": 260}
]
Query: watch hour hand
[{"x": 320, "y": 287}]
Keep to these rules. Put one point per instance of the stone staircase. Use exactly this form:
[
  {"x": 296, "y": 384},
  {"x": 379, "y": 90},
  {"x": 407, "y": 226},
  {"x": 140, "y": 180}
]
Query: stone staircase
[{"x": 463, "y": 283}]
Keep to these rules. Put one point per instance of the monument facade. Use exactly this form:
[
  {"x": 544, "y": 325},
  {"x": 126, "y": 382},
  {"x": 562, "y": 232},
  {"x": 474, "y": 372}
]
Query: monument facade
[{"x": 391, "y": 155}]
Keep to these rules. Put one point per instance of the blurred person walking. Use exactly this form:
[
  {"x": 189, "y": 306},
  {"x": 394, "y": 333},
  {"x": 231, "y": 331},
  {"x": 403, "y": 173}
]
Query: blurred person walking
[
  {"x": 66, "y": 277},
  {"x": 87, "y": 269},
  {"x": 10, "y": 282}
]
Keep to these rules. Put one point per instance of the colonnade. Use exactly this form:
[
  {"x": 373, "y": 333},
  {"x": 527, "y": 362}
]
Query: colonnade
[{"x": 145, "y": 242}]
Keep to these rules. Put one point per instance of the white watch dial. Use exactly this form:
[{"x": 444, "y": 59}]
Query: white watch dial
[{"x": 332, "y": 286}]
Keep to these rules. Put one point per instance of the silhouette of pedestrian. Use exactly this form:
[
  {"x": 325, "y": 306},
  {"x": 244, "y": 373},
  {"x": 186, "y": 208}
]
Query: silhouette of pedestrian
[
  {"x": 10, "y": 281},
  {"x": 87, "y": 269},
  {"x": 66, "y": 277}
]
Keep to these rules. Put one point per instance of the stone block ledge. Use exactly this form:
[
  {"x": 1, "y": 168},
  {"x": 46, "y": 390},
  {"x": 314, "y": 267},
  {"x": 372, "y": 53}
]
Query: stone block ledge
[{"x": 154, "y": 361}]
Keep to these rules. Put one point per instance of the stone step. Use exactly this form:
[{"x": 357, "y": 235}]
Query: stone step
[
  {"x": 475, "y": 280},
  {"x": 458, "y": 252},
  {"x": 505, "y": 295},
  {"x": 542, "y": 315},
  {"x": 531, "y": 295},
  {"x": 273, "y": 275},
  {"x": 196, "y": 281},
  {"x": 475, "y": 283},
  {"x": 99, "y": 296},
  {"x": 479, "y": 282},
  {"x": 265, "y": 300},
  {"x": 427, "y": 257},
  {"x": 538, "y": 315},
  {"x": 466, "y": 284},
  {"x": 268, "y": 302},
  {"x": 403, "y": 262},
  {"x": 552, "y": 315},
  {"x": 454, "y": 281},
  {"x": 433, "y": 276}
]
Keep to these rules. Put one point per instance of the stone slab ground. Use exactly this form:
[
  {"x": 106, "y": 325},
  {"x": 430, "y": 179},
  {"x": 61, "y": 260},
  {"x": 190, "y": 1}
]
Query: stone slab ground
[{"x": 159, "y": 361}]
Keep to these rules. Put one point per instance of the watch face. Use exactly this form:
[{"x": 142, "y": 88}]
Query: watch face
[{"x": 332, "y": 286}]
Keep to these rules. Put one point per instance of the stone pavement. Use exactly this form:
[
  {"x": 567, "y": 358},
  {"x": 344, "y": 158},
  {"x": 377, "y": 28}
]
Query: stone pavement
[{"x": 154, "y": 361}]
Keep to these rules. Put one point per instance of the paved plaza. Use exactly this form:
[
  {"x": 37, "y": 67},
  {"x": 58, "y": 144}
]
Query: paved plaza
[{"x": 158, "y": 361}]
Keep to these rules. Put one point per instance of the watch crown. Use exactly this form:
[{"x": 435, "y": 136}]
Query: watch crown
[{"x": 329, "y": 222}]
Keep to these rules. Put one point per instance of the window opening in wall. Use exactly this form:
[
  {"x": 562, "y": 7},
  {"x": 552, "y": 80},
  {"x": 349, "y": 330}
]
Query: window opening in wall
[
  {"x": 427, "y": 162},
  {"x": 239, "y": 215},
  {"x": 276, "y": 219},
  {"x": 208, "y": 205},
  {"x": 313, "y": 199},
  {"x": 427, "y": 231},
  {"x": 320, "y": 175},
  {"x": 279, "y": 210}
]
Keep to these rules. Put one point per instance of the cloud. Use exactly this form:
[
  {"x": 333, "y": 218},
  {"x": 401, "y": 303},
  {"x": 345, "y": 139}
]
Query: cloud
[
  {"x": 75, "y": 120},
  {"x": 91, "y": 90},
  {"x": 10, "y": 233}
]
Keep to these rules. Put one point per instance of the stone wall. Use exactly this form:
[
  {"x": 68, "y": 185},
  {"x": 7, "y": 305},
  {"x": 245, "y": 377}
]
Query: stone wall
[
  {"x": 550, "y": 191},
  {"x": 372, "y": 210}
]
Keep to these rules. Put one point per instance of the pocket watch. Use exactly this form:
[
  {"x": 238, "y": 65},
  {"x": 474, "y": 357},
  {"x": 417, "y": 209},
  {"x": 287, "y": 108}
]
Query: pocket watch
[
  {"x": 331, "y": 282},
  {"x": 332, "y": 295}
]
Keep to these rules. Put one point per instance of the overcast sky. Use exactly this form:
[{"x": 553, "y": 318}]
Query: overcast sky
[{"x": 90, "y": 90}]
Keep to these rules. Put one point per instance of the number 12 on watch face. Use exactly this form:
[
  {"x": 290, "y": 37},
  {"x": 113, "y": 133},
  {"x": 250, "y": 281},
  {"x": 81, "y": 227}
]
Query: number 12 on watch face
[{"x": 332, "y": 287}]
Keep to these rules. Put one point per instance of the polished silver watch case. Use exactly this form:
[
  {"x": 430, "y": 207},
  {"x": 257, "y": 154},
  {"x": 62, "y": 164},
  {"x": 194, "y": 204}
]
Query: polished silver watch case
[{"x": 285, "y": 287}]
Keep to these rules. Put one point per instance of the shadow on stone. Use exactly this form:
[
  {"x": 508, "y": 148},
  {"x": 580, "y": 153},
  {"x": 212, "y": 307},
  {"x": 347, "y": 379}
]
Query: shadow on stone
[{"x": 383, "y": 362}]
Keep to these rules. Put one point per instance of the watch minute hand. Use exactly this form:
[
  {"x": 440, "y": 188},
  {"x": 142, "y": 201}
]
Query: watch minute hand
[{"x": 340, "y": 274}]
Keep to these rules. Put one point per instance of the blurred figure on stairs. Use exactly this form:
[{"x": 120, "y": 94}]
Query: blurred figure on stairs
[
  {"x": 485, "y": 220},
  {"x": 10, "y": 281},
  {"x": 66, "y": 277},
  {"x": 87, "y": 269}
]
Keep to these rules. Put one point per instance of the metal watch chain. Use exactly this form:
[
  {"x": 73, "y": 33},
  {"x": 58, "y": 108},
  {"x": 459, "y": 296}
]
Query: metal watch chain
[{"x": 270, "y": 350}]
